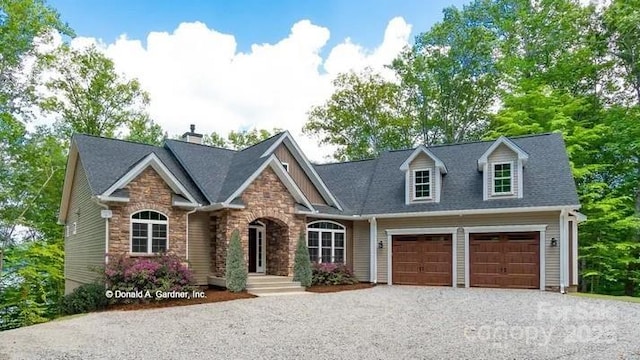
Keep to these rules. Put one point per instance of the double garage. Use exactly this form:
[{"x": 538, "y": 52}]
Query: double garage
[{"x": 499, "y": 260}]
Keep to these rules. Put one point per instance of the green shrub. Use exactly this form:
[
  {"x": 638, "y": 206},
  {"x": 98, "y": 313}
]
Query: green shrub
[
  {"x": 302, "y": 264},
  {"x": 236, "y": 268},
  {"x": 85, "y": 298},
  {"x": 163, "y": 272},
  {"x": 332, "y": 274}
]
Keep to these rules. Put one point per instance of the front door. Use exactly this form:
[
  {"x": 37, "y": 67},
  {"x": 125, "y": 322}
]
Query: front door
[{"x": 257, "y": 255}]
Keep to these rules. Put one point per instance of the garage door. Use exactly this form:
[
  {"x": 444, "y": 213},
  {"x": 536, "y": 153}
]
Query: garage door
[
  {"x": 421, "y": 260},
  {"x": 505, "y": 260}
]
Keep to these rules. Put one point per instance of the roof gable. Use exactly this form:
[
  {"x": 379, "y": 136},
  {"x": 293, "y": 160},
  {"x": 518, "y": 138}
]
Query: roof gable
[
  {"x": 286, "y": 139},
  {"x": 283, "y": 175},
  {"x": 502, "y": 140},
  {"x": 423, "y": 150},
  {"x": 154, "y": 162}
]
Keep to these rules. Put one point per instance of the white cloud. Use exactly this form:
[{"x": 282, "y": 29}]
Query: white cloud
[{"x": 196, "y": 75}]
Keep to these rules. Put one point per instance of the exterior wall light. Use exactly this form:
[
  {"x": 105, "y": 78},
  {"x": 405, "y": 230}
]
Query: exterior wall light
[
  {"x": 380, "y": 245},
  {"x": 554, "y": 242}
]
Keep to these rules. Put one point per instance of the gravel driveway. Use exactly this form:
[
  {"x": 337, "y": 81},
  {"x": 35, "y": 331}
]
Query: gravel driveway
[{"x": 379, "y": 323}]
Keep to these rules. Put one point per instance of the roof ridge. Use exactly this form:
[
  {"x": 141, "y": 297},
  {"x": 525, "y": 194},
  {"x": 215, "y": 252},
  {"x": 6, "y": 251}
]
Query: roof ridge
[
  {"x": 116, "y": 139},
  {"x": 345, "y": 162},
  {"x": 262, "y": 141},
  {"x": 204, "y": 145},
  {"x": 477, "y": 141}
]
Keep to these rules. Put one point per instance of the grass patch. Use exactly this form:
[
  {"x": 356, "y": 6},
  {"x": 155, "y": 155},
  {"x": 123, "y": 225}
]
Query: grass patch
[{"x": 608, "y": 297}]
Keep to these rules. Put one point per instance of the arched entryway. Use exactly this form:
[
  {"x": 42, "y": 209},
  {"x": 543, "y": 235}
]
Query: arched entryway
[{"x": 268, "y": 247}]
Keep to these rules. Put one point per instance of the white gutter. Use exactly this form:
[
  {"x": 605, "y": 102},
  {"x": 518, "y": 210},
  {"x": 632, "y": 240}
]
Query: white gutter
[
  {"x": 96, "y": 199},
  {"x": 330, "y": 216},
  {"x": 471, "y": 211},
  {"x": 563, "y": 250},
  {"x": 218, "y": 206},
  {"x": 111, "y": 198},
  {"x": 373, "y": 244},
  {"x": 187, "y": 233}
]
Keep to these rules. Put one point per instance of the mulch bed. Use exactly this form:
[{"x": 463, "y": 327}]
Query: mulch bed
[
  {"x": 337, "y": 288},
  {"x": 212, "y": 295}
]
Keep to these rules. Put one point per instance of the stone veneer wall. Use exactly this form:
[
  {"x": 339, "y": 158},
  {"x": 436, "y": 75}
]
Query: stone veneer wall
[
  {"x": 266, "y": 198},
  {"x": 148, "y": 191}
]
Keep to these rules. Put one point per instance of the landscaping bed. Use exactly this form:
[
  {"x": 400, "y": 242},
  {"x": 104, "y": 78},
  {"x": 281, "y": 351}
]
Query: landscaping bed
[
  {"x": 337, "y": 288},
  {"x": 212, "y": 295}
]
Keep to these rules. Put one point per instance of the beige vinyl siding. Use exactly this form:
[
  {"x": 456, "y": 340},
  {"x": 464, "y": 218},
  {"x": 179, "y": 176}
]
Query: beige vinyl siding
[
  {"x": 85, "y": 250},
  {"x": 551, "y": 219},
  {"x": 199, "y": 246},
  {"x": 361, "y": 250},
  {"x": 421, "y": 162},
  {"x": 500, "y": 155},
  {"x": 299, "y": 176}
]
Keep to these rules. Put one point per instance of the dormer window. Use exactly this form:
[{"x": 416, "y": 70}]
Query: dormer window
[
  {"x": 502, "y": 167},
  {"x": 422, "y": 184},
  {"x": 423, "y": 173},
  {"x": 502, "y": 179}
]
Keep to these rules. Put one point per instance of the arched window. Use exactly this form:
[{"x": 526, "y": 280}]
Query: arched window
[
  {"x": 149, "y": 232},
  {"x": 326, "y": 242}
]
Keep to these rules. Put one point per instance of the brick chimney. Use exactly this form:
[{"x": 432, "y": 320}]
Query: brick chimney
[{"x": 192, "y": 136}]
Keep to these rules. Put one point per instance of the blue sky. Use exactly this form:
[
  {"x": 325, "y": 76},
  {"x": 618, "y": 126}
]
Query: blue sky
[
  {"x": 251, "y": 21},
  {"x": 231, "y": 65}
]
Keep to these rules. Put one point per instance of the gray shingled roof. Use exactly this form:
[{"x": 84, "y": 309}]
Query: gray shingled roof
[
  {"x": 208, "y": 166},
  {"x": 107, "y": 160},
  {"x": 547, "y": 178},
  {"x": 348, "y": 182},
  {"x": 363, "y": 187}
]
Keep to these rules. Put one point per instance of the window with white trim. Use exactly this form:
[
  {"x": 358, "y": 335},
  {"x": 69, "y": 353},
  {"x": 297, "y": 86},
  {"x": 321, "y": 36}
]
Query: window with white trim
[
  {"x": 502, "y": 178},
  {"x": 148, "y": 232},
  {"x": 326, "y": 242},
  {"x": 422, "y": 184}
]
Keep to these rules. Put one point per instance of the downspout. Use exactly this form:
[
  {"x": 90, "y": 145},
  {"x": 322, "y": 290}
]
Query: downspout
[
  {"x": 563, "y": 251},
  {"x": 106, "y": 230},
  {"x": 373, "y": 250},
  {"x": 187, "y": 233}
]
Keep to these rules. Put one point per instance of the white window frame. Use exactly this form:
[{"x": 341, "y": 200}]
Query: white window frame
[
  {"x": 285, "y": 165},
  {"x": 511, "y": 178},
  {"x": 342, "y": 230},
  {"x": 149, "y": 231},
  {"x": 415, "y": 184}
]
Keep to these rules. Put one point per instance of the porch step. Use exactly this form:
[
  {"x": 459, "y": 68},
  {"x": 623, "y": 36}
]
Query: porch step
[{"x": 268, "y": 285}]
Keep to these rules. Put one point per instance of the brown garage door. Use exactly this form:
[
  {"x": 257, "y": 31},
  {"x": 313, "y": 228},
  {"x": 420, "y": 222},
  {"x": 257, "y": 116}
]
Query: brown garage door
[
  {"x": 505, "y": 260},
  {"x": 421, "y": 260}
]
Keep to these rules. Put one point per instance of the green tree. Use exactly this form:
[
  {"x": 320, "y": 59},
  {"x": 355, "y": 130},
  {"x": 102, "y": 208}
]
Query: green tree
[
  {"x": 145, "y": 131},
  {"x": 621, "y": 21},
  {"x": 36, "y": 279},
  {"x": 302, "y": 263},
  {"x": 364, "y": 117},
  {"x": 89, "y": 96},
  {"x": 239, "y": 140},
  {"x": 22, "y": 21},
  {"x": 450, "y": 76},
  {"x": 236, "y": 267}
]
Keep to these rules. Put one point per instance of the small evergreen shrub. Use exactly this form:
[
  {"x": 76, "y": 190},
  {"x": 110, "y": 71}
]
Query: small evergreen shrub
[
  {"x": 164, "y": 272},
  {"x": 83, "y": 299},
  {"x": 236, "y": 268},
  {"x": 302, "y": 265},
  {"x": 332, "y": 274}
]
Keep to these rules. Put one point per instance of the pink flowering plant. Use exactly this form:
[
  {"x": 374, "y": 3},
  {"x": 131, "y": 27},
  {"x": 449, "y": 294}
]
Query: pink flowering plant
[
  {"x": 164, "y": 272},
  {"x": 332, "y": 274}
]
